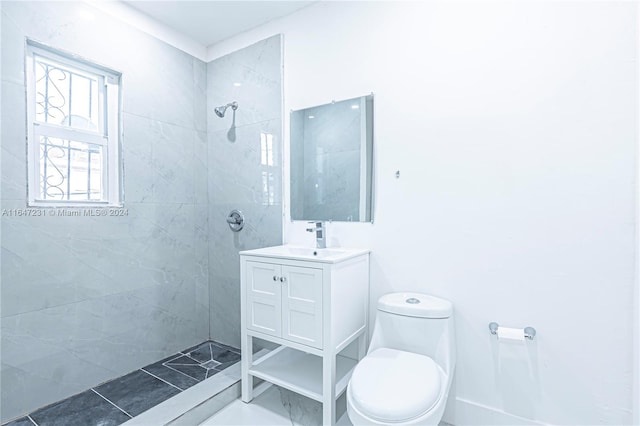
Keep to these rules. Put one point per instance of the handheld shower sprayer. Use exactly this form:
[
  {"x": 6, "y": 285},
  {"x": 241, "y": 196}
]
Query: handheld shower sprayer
[{"x": 222, "y": 109}]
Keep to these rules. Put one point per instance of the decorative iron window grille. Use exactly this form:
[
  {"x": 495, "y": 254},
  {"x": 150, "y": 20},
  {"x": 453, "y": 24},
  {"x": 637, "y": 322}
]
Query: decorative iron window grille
[{"x": 74, "y": 126}]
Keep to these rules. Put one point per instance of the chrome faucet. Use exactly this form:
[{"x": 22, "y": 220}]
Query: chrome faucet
[{"x": 321, "y": 240}]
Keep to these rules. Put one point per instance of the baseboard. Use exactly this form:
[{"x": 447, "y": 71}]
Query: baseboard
[{"x": 464, "y": 412}]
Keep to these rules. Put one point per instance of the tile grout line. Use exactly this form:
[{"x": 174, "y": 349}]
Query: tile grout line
[
  {"x": 186, "y": 365},
  {"x": 32, "y": 421},
  {"x": 103, "y": 397},
  {"x": 226, "y": 347},
  {"x": 179, "y": 363},
  {"x": 220, "y": 371},
  {"x": 191, "y": 358},
  {"x": 170, "y": 384},
  {"x": 184, "y": 374},
  {"x": 178, "y": 355}
]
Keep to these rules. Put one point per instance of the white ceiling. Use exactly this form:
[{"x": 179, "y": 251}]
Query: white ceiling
[{"x": 210, "y": 21}]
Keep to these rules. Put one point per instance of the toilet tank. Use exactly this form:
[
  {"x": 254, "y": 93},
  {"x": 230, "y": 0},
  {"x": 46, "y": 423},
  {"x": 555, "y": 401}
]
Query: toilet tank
[{"x": 418, "y": 323}]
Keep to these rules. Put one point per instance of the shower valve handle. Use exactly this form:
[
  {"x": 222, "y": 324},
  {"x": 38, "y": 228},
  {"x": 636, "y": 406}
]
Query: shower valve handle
[{"x": 235, "y": 220}]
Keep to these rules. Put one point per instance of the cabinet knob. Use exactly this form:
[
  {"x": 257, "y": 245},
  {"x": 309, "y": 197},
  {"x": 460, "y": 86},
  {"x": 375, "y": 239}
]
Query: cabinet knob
[
  {"x": 275, "y": 278},
  {"x": 282, "y": 279}
]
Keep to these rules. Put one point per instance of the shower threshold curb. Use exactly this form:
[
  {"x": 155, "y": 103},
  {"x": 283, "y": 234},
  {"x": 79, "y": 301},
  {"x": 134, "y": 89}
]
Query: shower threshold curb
[{"x": 196, "y": 404}]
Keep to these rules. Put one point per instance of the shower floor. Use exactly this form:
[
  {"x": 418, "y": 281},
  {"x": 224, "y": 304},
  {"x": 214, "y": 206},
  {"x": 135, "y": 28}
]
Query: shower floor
[{"x": 114, "y": 402}]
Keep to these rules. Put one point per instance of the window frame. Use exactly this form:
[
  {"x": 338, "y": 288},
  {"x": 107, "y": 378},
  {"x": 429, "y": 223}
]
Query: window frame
[{"x": 108, "y": 134}]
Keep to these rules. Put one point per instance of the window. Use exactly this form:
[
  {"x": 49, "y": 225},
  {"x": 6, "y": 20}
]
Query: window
[
  {"x": 73, "y": 140},
  {"x": 266, "y": 161}
]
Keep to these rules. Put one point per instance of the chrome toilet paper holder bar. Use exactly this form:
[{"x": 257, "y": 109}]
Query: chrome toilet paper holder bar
[{"x": 529, "y": 332}]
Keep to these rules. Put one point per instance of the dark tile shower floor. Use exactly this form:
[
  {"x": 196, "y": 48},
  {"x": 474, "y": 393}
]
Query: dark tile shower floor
[{"x": 118, "y": 400}]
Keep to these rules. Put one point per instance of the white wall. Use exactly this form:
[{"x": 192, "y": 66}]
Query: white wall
[
  {"x": 636, "y": 320},
  {"x": 513, "y": 127}
]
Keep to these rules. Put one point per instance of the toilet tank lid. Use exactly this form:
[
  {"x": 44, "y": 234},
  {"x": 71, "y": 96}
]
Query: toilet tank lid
[{"x": 415, "y": 305}]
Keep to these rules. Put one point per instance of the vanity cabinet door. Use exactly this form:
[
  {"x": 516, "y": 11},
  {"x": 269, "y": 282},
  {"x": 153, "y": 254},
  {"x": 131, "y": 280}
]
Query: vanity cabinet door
[
  {"x": 264, "y": 297},
  {"x": 302, "y": 305}
]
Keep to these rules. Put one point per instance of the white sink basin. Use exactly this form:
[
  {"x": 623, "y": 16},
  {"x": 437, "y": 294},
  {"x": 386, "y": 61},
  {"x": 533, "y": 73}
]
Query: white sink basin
[
  {"x": 325, "y": 255},
  {"x": 304, "y": 251}
]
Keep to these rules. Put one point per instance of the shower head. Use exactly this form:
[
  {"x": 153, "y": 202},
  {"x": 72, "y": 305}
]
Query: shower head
[{"x": 222, "y": 109}]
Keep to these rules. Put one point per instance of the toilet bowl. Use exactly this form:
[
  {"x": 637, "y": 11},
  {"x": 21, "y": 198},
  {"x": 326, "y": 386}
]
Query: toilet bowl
[{"x": 407, "y": 373}]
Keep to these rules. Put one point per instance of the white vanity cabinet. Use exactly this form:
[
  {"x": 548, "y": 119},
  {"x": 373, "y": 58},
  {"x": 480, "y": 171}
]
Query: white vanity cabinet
[
  {"x": 313, "y": 303},
  {"x": 285, "y": 301}
]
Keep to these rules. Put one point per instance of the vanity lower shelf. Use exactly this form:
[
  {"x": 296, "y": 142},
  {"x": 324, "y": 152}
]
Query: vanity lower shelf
[{"x": 301, "y": 372}]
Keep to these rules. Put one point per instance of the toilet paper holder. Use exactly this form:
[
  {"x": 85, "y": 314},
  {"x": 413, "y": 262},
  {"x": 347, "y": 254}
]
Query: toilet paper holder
[{"x": 529, "y": 332}]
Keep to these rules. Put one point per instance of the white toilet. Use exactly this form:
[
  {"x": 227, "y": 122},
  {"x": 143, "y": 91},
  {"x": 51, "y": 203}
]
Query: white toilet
[{"x": 407, "y": 372}]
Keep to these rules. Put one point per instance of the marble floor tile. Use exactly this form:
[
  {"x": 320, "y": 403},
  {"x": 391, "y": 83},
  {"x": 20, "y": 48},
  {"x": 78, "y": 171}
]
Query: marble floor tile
[
  {"x": 24, "y": 421},
  {"x": 201, "y": 353},
  {"x": 227, "y": 347},
  {"x": 84, "y": 409},
  {"x": 183, "y": 360},
  {"x": 169, "y": 358},
  {"x": 194, "y": 371},
  {"x": 136, "y": 392},
  {"x": 196, "y": 347},
  {"x": 210, "y": 364},
  {"x": 265, "y": 409},
  {"x": 212, "y": 356},
  {"x": 224, "y": 365},
  {"x": 223, "y": 355}
]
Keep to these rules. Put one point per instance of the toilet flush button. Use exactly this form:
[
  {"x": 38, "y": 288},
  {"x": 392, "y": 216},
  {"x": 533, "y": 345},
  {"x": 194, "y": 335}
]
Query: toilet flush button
[{"x": 412, "y": 300}]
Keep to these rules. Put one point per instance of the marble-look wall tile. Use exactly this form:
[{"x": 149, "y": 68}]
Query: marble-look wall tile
[
  {"x": 201, "y": 272},
  {"x": 79, "y": 345},
  {"x": 201, "y": 168},
  {"x": 165, "y": 154},
  {"x": 263, "y": 228},
  {"x": 258, "y": 70},
  {"x": 163, "y": 93},
  {"x": 238, "y": 167},
  {"x": 137, "y": 156},
  {"x": 14, "y": 143},
  {"x": 12, "y": 52},
  {"x": 242, "y": 179},
  {"x": 200, "y": 110},
  {"x": 86, "y": 299}
]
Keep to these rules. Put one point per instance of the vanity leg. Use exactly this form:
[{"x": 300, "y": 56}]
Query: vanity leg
[
  {"x": 246, "y": 351},
  {"x": 329, "y": 389}
]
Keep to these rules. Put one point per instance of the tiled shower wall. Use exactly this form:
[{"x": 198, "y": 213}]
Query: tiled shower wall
[
  {"x": 86, "y": 299},
  {"x": 245, "y": 170}
]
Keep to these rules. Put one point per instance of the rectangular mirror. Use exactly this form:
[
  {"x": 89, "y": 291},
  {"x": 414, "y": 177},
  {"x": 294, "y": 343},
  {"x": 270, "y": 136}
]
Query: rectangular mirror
[{"x": 332, "y": 161}]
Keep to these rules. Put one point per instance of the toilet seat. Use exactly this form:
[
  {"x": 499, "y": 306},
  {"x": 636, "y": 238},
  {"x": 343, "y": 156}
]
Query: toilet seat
[{"x": 391, "y": 386}]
